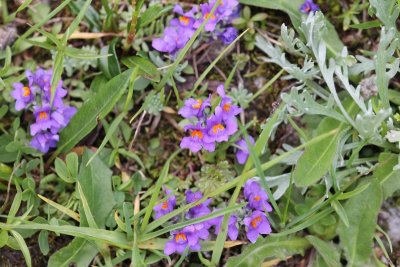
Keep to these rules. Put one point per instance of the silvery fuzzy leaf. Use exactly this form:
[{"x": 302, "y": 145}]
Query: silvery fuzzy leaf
[
  {"x": 304, "y": 103},
  {"x": 385, "y": 68},
  {"x": 342, "y": 73},
  {"x": 276, "y": 55},
  {"x": 393, "y": 136},
  {"x": 369, "y": 123},
  {"x": 387, "y": 11},
  {"x": 365, "y": 66},
  {"x": 292, "y": 44}
]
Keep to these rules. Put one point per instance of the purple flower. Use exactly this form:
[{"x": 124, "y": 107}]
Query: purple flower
[
  {"x": 44, "y": 141},
  {"x": 196, "y": 141},
  {"x": 200, "y": 209},
  {"x": 23, "y": 95},
  {"x": 228, "y": 110},
  {"x": 243, "y": 151},
  {"x": 174, "y": 39},
  {"x": 185, "y": 21},
  {"x": 166, "y": 206},
  {"x": 180, "y": 240},
  {"x": 58, "y": 96},
  {"x": 233, "y": 231},
  {"x": 63, "y": 115},
  {"x": 257, "y": 224},
  {"x": 257, "y": 197},
  {"x": 309, "y": 6},
  {"x": 40, "y": 79},
  {"x": 206, "y": 13},
  {"x": 49, "y": 119},
  {"x": 194, "y": 107},
  {"x": 226, "y": 8},
  {"x": 43, "y": 120},
  {"x": 229, "y": 35},
  {"x": 219, "y": 128},
  {"x": 198, "y": 231}
]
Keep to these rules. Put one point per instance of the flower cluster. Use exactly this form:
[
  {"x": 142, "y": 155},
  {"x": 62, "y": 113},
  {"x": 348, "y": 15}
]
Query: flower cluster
[
  {"x": 256, "y": 223},
  {"x": 309, "y": 6},
  {"x": 191, "y": 235},
  {"x": 49, "y": 118},
  {"x": 208, "y": 130},
  {"x": 181, "y": 29}
]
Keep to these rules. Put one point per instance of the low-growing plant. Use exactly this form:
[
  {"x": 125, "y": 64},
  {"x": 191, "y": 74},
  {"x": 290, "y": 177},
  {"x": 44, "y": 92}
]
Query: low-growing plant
[{"x": 134, "y": 162}]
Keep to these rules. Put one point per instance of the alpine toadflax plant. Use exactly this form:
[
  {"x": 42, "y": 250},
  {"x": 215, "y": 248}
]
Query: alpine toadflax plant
[
  {"x": 189, "y": 237},
  {"x": 181, "y": 29},
  {"x": 50, "y": 117}
]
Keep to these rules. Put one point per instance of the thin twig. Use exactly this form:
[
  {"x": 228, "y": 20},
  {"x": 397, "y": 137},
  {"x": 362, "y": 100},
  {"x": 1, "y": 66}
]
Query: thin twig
[{"x": 137, "y": 129}]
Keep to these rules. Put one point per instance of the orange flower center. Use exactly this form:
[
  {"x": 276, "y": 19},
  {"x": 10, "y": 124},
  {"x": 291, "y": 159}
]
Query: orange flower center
[
  {"x": 257, "y": 198},
  {"x": 226, "y": 107},
  {"x": 185, "y": 20},
  {"x": 197, "y": 133},
  {"x": 180, "y": 236},
  {"x": 208, "y": 15},
  {"x": 198, "y": 104},
  {"x": 218, "y": 127},
  {"x": 308, "y": 8},
  {"x": 43, "y": 115},
  {"x": 255, "y": 221},
  {"x": 164, "y": 205},
  {"x": 26, "y": 91}
]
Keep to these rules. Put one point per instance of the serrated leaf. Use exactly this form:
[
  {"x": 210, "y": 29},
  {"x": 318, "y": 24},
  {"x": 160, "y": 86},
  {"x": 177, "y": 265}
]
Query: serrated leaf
[
  {"x": 99, "y": 106},
  {"x": 264, "y": 248},
  {"x": 362, "y": 212}
]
